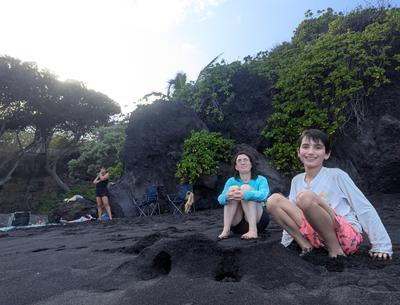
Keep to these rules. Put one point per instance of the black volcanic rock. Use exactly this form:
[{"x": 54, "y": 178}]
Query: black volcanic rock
[
  {"x": 370, "y": 150},
  {"x": 154, "y": 145},
  {"x": 73, "y": 210},
  {"x": 246, "y": 116}
]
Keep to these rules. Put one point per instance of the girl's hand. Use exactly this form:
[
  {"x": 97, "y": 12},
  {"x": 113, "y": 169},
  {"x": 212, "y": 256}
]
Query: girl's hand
[
  {"x": 230, "y": 195},
  {"x": 380, "y": 255},
  {"x": 238, "y": 195}
]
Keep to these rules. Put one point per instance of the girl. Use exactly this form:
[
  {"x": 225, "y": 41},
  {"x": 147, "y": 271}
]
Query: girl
[{"x": 243, "y": 198}]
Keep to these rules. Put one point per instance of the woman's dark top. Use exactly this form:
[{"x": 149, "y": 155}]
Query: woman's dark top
[{"x": 101, "y": 188}]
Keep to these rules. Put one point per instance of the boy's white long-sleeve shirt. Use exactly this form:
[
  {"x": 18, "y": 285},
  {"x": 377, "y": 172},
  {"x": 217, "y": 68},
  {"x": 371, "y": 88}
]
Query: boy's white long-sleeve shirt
[{"x": 339, "y": 191}]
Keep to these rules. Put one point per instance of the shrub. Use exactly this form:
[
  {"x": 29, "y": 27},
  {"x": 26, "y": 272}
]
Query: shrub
[{"x": 201, "y": 154}]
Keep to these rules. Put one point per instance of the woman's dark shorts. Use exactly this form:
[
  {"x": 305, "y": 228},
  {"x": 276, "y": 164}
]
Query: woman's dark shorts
[
  {"x": 243, "y": 226},
  {"x": 102, "y": 192}
]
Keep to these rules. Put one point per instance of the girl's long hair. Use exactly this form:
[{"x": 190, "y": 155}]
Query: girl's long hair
[{"x": 254, "y": 171}]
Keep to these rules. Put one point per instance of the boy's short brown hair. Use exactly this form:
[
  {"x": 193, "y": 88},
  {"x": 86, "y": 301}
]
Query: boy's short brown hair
[{"x": 316, "y": 135}]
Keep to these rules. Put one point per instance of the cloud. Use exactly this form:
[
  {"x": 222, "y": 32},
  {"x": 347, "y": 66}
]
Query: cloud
[{"x": 123, "y": 48}]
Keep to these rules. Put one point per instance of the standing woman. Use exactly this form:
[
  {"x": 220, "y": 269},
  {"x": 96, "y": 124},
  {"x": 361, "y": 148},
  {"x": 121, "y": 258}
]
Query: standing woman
[
  {"x": 244, "y": 198},
  {"x": 102, "y": 195}
]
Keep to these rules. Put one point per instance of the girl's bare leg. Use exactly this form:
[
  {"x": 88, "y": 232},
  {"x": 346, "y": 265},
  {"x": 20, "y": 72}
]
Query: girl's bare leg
[
  {"x": 233, "y": 214},
  {"x": 252, "y": 213}
]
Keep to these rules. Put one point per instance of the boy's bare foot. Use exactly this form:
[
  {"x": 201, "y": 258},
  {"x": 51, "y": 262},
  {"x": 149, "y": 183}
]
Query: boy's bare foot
[
  {"x": 333, "y": 254},
  {"x": 249, "y": 235},
  {"x": 305, "y": 251},
  {"x": 380, "y": 255},
  {"x": 305, "y": 246}
]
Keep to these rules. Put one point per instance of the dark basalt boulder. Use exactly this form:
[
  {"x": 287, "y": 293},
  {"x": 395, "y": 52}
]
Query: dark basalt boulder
[
  {"x": 367, "y": 147},
  {"x": 370, "y": 150},
  {"x": 154, "y": 145},
  {"x": 246, "y": 115},
  {"x": 72, "y": 210}
]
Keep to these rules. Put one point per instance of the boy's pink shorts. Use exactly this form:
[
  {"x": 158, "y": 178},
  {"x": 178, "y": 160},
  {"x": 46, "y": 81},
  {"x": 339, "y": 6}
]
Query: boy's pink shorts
[{"x": 349, "y": 238}]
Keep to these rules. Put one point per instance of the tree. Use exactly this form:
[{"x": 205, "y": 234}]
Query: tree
[
  {"x": 36, "y": 99},
  {"x": 102, "y": 149},
  {"x": 176, "y": 84}
]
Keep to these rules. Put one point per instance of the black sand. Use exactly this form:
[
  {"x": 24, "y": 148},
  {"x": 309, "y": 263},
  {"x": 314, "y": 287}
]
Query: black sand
[{"x": 177, "y": 260}]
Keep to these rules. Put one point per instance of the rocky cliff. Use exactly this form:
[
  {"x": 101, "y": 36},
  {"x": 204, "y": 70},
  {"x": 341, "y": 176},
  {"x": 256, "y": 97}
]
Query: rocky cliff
[
  {"x": 369, "y": 149},
  {"x": 368, "y": 146},
  {"x": 155, "y": 137}
]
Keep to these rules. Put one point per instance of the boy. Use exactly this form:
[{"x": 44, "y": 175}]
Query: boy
[{"x": 325, "y": 207}]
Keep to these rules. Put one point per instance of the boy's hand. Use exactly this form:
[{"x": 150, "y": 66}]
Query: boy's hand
[{"x": 380, "y": 255}]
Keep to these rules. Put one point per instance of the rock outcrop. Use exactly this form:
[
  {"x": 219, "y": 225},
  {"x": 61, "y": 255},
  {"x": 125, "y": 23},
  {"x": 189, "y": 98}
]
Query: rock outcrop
[
  {"x": 245, "y": 117},
  {"x": 154, "y": 145},
  {"x": 73, "y": 210},
  {"x": 367, "y": 147},
  {"x": 370, "y": 150}
]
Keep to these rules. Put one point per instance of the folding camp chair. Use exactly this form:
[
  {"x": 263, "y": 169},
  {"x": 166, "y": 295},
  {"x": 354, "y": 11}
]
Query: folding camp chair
[
  {"x": 177, "y": 200},
  {"x": 137, "y": 205},
  {"x": 150, "y": 201}
]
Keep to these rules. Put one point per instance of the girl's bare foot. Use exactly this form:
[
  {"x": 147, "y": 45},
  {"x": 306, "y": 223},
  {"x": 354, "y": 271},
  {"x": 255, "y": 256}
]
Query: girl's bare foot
[
  {"x": 249, "y": 235},
  {"x": 224, "y": 235}
]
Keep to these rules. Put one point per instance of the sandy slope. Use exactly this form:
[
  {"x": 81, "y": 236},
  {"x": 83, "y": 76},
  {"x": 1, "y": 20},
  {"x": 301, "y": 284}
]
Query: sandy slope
[{"x": 176, "y": 260}]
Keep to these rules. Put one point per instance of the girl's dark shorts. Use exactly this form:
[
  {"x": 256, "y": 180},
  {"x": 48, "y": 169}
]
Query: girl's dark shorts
[{"x": 243, "y": 226}]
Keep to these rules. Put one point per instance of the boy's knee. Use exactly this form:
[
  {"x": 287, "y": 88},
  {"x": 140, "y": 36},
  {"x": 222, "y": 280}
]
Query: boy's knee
[
  {"x": 305, "y": 199},
  {"x": 274, "y": 201}
]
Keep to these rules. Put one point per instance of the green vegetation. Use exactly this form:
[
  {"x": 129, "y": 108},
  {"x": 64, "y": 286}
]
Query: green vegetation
[
  {"x": 35, "y": 101},
  {"x": 102, "y": 149},
  {"x": 324, "y": 75},
  {"x": 201, "y": 154},
  {"x": 210, "y": 93},
  {"x": 321, "y": 79}
]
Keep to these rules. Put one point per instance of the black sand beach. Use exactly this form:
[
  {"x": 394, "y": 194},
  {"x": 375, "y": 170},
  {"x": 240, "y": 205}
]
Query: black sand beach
[{"x": 172, "y": 259}]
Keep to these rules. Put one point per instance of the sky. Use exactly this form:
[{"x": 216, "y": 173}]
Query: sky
[{"x": 129, "y": 48}]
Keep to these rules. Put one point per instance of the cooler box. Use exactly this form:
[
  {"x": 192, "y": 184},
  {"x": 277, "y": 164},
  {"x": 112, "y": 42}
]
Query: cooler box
[{"x": 19, "y": 219}]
